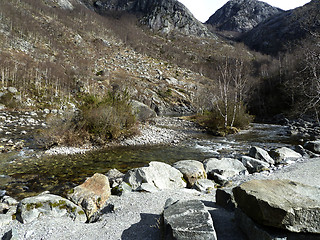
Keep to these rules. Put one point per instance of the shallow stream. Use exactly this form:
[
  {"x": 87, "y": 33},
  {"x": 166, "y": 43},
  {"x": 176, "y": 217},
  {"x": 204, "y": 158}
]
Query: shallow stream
[{"x": 27, "y": 172}]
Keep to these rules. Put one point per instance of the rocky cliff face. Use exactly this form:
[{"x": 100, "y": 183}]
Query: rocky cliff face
[
  {"x": 164, "y": 16},
  {"x": 242, "y": 15},
  {"x": 285, "y": 29}
]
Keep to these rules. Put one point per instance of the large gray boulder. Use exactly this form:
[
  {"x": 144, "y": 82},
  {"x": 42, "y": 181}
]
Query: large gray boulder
[
  {"x": 142, "y": 111},
  {"x": 260, "y": 154},
  {"x": 254, "y": 165},
  {"x": 32, "y": 208},
  {"x": 313, "y": 146},
  {"x": 256, "y": 231},
  {"x": 184, "y": 220},
  {"x": 281, "y": 155},
  {"x": 158, "y": 174},
  {"x": 281, "y": 204},
  {"x": 92, "y": 194},
  {"x": 227, "y": 167},
  {"x": 192, "y": 170}
]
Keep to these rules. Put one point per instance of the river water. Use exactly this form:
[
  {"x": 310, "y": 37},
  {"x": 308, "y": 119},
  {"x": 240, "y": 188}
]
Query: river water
[{"x": 26, "y": 173}]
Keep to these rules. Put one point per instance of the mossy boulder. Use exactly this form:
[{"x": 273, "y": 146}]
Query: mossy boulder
[{"x": 48, "y": 205}]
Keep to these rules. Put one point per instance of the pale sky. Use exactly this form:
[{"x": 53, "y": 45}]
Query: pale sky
[{"x": 203, "y": 9}]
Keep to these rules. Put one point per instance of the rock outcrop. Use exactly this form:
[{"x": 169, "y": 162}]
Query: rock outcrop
[
  {"x": 165, "y": 16},
  {"x": 92, "y": 194},
  {"x": 242, "y": 15},
  {"x": 48, "y": 205},
  {"x": 157, "y": 174},
  {"x": 188, "y": 220},
  {"x": 281, "y": 204}
]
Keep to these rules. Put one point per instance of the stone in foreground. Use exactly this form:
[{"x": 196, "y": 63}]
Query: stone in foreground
[
  {"x": 255, "y": 231},
  {"x": 185, "y": 220},
  {"x": 158, "y": 174},
  {"x": 192, "y": 170},
  {"x": 32, "y": 208},
  {"x": 92, "y": 194},
  {"x": 281, "y": 203}
]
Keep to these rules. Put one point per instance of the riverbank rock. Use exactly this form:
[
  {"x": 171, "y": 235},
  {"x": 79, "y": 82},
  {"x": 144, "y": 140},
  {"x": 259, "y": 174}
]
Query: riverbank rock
[
  {"x": 32, "y": 208},
  {"x": 115, "y": 177},
  {"x": 260, "y": 154},
  {"x": 227, "y": 167},
  {"x": 313, "y": 146},
  {"x": 254, "y": 165},
  {"x": 204, "y": 185},
  {"x": 158, "y": 174},
  {"x": 142, "y": 111},
  {"x": 256, "y": 231},
  {"x": 281, "y": 203},
  {"x": 92, "y": 194},
  {"x": 8, "y": 206},
  {"x": 192, "y": 171},
  {"x": 225, "y": 199},
  {"x": 281, "y": 155},
  {"x": 188, "y": 220}
]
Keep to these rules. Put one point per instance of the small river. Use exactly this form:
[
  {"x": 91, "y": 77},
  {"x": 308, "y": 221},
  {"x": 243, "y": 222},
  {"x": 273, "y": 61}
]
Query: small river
[{"x": 27, "y": 172}]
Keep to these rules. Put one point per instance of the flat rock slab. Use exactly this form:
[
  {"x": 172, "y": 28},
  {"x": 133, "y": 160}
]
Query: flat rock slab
[
  {"x": 281, "y": 203},
  {"x": 185, "y": 220}
]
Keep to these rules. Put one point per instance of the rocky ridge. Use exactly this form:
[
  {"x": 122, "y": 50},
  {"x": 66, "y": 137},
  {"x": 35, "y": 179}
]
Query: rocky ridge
[
  {"x": 165, "y": 16},
  {"x": 242, "y": 15},
  {"x": 284, "y": 29}
]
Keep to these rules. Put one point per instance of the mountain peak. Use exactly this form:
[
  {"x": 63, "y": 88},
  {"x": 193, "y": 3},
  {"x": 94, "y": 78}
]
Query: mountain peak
[
  {"x": 242, "y": 15},
  {"x": 164, "y": 16}
]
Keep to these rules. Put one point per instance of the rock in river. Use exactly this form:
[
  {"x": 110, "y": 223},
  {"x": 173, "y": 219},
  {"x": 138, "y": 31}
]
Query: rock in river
[{"x": 281, "y": 204}]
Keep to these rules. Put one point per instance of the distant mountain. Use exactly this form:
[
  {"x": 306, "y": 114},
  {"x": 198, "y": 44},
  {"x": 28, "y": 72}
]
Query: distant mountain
[
  {"x": 164, "y": 16},
  {"x": 282, "y": 31},
  {"x": 242, "y": 15}
]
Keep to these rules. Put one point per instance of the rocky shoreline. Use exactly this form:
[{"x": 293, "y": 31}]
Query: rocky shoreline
[
  {"x": 146, "y": 201},
  {"x": 153, "y": 202}
]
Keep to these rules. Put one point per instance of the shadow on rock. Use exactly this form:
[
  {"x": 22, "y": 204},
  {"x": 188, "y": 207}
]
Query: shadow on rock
[
  {"x": 224, "y": 222},
  {"x": 148, "y": 228}
]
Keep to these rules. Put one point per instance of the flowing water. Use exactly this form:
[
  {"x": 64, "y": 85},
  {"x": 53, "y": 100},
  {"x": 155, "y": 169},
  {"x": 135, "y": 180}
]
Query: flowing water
[{"x": 25, "y": 173}]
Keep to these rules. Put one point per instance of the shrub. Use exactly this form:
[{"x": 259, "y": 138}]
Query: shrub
[{"x": 98, "y": 120}]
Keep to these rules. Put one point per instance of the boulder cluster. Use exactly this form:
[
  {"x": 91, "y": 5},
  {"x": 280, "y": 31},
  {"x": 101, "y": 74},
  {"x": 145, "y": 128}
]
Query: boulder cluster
[{"x": 289, "y": 208}]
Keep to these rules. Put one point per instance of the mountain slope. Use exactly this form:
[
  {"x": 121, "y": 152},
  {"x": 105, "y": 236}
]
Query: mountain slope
[
  {"x": 242, "y": 15},
  {"x": 285, "y": 29},
  {"x": 165, "y": 16}
]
